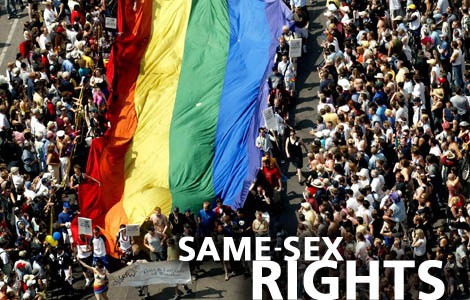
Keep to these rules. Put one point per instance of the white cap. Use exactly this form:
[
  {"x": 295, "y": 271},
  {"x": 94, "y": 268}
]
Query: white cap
[
  {"x": 344, "y": 83},
  {"x": 60, "y": 133},
  {"x": 332, "y": 7}
]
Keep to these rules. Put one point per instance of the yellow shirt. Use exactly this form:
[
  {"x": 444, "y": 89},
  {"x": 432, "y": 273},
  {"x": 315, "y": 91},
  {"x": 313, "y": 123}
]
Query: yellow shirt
[{"x": 88, "y": 62}]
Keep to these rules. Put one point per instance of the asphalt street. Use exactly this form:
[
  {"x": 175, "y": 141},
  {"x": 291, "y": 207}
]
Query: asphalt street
[{"x": 11, "y": 35}]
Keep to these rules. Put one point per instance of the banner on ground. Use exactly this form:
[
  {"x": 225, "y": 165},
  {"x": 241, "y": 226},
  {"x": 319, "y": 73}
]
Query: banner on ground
[{"x": 162, "y": 272}]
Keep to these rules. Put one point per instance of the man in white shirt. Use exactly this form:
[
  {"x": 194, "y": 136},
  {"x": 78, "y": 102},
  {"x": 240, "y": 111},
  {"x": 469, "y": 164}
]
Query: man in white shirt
[
  {"x": 98, "y": 245},
  {"x": 351, "y": 201},
  {"x": 377, "y": 183},
  {"x": 50, "y": 16},
  {"x": 44, "y": 38},
  {"x": 283, "y": 65},
  {"x": 36, "y": 125},
  {"x": 4, "y": 124},
  {"x": 435, "y": 149}
]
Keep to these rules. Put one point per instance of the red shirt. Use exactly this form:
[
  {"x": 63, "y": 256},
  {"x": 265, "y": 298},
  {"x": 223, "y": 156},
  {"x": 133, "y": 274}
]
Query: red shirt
[
  {"x": 272, "y": 176},
  {"x": 25, "y": 48},
  {"x": 76, "y": 13}
]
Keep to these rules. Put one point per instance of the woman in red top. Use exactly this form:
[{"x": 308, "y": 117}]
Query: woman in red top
[
  {"x": 272, "y": 175},
  {"x": 76, "y": 12}
]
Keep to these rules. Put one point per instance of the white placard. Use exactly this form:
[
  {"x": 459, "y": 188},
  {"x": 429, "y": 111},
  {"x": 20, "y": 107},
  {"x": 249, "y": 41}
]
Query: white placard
[
  {"x": 133, "y": 230},
  {"x": 85, "y": 226},
  {"x": 142, "y": 274},
  {"x": 295, "y": 48},
  {"x": 110, "y": 23},
  {"x": 269, "y": 118}
]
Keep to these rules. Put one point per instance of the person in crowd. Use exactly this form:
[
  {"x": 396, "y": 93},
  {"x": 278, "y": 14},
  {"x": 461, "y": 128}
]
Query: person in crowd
[
  {"x": 154, "y": 244},
  {"x": 98, "y": 246},
  {"x": 100, "y": 283}
]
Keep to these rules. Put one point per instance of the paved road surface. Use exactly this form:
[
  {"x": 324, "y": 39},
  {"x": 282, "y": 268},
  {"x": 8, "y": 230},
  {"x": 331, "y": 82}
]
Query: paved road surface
[{"x": 11, "y": 35}]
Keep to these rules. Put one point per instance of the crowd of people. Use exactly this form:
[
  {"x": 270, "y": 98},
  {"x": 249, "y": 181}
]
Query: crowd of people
[
  {"x": 386, "y": 170},
  {"x": 53, "y": 101}
]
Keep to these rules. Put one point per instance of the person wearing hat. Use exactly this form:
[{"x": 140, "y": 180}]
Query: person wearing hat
[
  {"x": 464, "y": 134},
  {"x": 446, "y": 131},
  {"x": 414, "y": 21},
  {"x": 64, "y": 219},
  {"x": 308, "y": 212},
  {"x": 124, "y": 242}
]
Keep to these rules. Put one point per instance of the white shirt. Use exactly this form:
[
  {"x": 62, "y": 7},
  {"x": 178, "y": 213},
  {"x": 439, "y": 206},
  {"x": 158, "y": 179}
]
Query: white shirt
[
  {"x": 435, "y": 151},
  {"x": 43, "y": 40},
  {"x": 361, "y": 249},
  {"x": 82, "y": 251},
  {"x": 419, "y": 90},
  {"x": 49, "y": 17},
  {"x": 414, "y": 25},
  {"x": 402, "y": 112},
  {"x": 421, "y": 249},
  {"x": 4, "y": 257},
  {"x": 377, "y": 184},
  {"x": 282, "y": 67},
  {"x": 99, "y": 247},
  {"x": 352, "y": 203},
  {"x": 437, "y": 70},
  {"x": 37, "y": 126},
  {"x": 4, "y": 122},
  {"x": 395, "y": 5}
]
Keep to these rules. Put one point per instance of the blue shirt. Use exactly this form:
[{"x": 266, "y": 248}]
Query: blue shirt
[
  {"x": 381, "y": 112},
  {"x": 207, "y": 219},
  {"x": 64, "y": 218},
  {"x": 67, "y": 65}
]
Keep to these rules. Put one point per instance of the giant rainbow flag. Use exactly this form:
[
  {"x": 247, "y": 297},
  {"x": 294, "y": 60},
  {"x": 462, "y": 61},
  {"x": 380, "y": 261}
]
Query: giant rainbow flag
[{"x": 189, "y": 80}]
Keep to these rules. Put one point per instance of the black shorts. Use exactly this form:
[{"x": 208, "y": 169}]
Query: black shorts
[{"x": 297, "y": 161}]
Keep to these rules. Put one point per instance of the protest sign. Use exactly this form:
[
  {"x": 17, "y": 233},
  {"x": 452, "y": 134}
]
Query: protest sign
[
  {"x": 295, "y": 48},
  {"x": 269, "y": 118},
  {"x": 84, "y": 226},
  {"x": 161, "y": 272},
  {"x": 133, "y": 230},
  {"x": 110, "y": 23}
]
